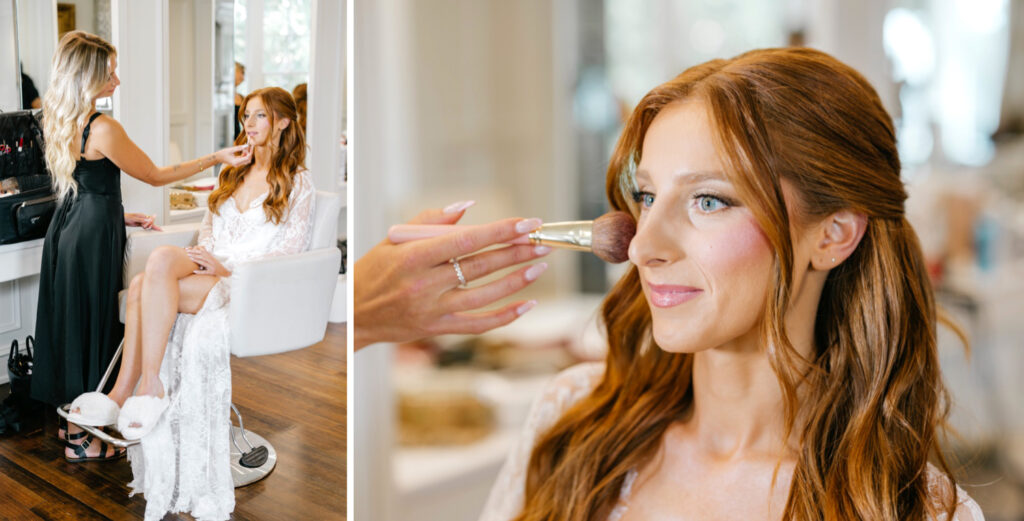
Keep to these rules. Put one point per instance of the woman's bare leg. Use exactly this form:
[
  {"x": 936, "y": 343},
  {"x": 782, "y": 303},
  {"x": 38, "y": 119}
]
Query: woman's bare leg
[
  {"x": 169, "y": 286},
  {"x": 186, "y": 294}
]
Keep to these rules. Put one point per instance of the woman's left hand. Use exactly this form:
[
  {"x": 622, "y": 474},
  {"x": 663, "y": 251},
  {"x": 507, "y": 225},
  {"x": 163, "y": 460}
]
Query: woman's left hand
[
  {"x": 146, "y": 222},
  {"x": 208, "y": 264}
]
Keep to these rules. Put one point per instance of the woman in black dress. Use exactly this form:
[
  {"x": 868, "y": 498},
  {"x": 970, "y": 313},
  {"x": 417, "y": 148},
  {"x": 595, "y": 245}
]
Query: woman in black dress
[{"x": 77, "y": 325}]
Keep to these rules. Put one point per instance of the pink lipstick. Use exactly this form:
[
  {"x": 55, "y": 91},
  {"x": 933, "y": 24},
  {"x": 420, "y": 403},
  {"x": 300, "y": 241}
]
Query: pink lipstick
[{"x": 666, "y": 296}]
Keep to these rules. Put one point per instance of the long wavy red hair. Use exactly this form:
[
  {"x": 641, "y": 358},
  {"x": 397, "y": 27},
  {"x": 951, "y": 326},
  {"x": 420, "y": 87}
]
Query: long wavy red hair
[
  {"x": 866, "y": 438},
  {"x": 288, "y": 156}
]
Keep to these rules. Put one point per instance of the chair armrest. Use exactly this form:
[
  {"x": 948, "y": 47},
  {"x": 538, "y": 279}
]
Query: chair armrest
[
  {"x": 282, "y": 303},
  {"x": 142, "y": 242}
]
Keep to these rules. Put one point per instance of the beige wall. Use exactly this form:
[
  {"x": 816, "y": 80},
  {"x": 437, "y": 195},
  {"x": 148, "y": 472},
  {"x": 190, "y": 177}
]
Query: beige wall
[{"x": 482, "y": 91}]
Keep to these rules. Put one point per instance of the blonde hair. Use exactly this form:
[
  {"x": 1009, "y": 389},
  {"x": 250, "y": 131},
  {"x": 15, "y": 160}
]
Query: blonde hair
[{"x": 79, "y": 73}]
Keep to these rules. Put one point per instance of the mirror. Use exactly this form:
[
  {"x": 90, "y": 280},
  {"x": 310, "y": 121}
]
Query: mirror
[
  {"x": 201, "y": 113},
  {"x": 37, "y": 29},
  {"x": 272, "y": 44}
]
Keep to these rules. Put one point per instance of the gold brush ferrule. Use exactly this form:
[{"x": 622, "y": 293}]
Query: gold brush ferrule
[{"x": 573, "y": 235}]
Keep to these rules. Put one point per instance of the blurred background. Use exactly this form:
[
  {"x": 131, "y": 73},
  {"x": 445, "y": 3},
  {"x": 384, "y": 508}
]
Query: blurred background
[{"x": 517, "y": 105}]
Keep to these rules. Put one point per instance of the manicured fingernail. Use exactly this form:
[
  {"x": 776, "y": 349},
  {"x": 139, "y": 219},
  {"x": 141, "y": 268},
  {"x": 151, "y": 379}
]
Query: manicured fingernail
[
  {"x": 525, "y": 306},
  {"x": 541, "y": 250},
  {"x": 534, "y": 271},
  {"x": 528, "y": 225},
  {"x": 458, "y": 207}
]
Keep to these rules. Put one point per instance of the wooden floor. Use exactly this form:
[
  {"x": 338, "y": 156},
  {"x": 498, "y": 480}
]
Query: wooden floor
[{"x": 295, "y": 400}]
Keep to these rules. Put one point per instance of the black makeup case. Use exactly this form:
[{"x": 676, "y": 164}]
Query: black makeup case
[{"x": 27, "y": 201}]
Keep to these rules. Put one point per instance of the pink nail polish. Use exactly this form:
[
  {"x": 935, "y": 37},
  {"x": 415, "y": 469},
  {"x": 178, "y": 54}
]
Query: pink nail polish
[
  {"x": 541, "y": 250},
  {"x": 528, "y": 225},
  {"x": 534, "y": 271},
  {"x": 525, "y": 306},
  {"x": 458, "y": 207}
]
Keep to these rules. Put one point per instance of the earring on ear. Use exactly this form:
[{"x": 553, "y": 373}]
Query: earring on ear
[{"x": 833, "y": 260}]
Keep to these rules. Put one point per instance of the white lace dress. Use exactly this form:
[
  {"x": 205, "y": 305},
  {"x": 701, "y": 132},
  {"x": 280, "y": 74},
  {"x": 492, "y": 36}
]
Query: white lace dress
[
  {"x": 572, "y": 385},
  {"x": 183, "y": 465}
]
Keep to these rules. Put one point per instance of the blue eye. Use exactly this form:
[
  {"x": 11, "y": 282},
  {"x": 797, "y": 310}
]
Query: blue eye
[
  {"x": 710, "y": 203},
  {"x": 645, "y": 199}
]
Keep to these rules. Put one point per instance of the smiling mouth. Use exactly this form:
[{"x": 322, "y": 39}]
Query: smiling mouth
[{"x": 667, "y": 296}]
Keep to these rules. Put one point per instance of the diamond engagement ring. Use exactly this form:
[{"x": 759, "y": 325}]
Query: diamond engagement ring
[{"x": 458, "y": 272}]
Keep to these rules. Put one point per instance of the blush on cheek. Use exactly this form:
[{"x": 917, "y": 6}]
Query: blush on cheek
[{"x": 737, "y": 247}]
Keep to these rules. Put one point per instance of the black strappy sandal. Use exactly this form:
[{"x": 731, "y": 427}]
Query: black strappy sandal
[
  {"x": 81, "y": 456},
  {"x": 62, "y": 425}
]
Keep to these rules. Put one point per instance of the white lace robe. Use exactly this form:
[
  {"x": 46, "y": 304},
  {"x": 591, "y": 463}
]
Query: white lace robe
[
  {"x": 183, "y": 465},
  {"x": 572, "y": 385}
]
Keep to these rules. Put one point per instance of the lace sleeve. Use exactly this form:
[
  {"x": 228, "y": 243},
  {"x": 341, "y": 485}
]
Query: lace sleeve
[
  {"x": 939, "y": 487},
  {"x": 567, "y": 388},
  {"x": 297, "y": 228},
  {"x": 206, "y": 231}
]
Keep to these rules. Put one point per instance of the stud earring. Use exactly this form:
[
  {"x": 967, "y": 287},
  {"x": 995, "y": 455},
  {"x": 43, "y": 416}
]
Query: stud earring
[{"x": 833, "y": 260}]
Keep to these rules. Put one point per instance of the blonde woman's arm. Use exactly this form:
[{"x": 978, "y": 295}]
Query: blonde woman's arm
[{"x": 108, "y": 137}]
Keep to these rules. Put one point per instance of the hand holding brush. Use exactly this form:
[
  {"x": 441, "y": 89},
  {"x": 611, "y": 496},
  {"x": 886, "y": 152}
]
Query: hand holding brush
[{"x": 608, "y": 236}]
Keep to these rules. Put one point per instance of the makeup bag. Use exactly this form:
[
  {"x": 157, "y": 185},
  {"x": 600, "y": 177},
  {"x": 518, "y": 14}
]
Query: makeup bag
[
  {"x": 27, "y": 201},
  {"x": 19, "y": 368}
]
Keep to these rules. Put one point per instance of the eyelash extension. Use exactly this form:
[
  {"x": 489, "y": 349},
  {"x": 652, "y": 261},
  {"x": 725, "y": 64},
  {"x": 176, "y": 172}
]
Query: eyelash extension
[
  {"x": 638, "y": 195},
  {"x": 722, "y": 199}
]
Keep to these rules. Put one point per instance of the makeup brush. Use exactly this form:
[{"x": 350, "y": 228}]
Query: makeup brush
[{"x": 607, "y": 236}]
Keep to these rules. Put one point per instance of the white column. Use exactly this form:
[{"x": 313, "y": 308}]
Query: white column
[
  {"x": 141, "y": 103},
  {"x": 326, "y": 92},
  {"x": 381, "y": 158}
]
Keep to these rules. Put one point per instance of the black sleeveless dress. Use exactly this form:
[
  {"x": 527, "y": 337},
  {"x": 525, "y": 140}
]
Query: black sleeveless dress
[{"x": 77, "y": 324}]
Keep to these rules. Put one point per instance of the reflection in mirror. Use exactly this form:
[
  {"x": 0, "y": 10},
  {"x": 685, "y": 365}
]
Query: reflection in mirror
[
  {"x": 10, "y": 91},
  {"x": 272, "y": 44},
  {"x": 42, "y": 23},
  {"x": 37, "y": 41},
  {"x": 224, "y": 74},
  {"x": 201, "y": 112}
]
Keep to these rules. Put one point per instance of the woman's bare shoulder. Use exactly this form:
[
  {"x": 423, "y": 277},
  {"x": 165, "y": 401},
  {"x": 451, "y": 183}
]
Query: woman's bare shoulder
[
  {"x": 941, "y": 490},
  {"x": 105, "y": 126}
]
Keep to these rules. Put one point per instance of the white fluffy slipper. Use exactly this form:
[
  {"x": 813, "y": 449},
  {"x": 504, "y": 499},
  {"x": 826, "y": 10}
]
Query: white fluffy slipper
[
  {"x": 93, "y": 409},
  {"x": 144, "y": 411}
]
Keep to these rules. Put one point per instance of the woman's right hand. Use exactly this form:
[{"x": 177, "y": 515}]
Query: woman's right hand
[
  {"x": 228, "y": 155},
  {"x": 407, "y": 291}
]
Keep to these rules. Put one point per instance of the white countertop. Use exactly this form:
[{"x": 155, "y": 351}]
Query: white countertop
[{"x": 21, "y": 259}]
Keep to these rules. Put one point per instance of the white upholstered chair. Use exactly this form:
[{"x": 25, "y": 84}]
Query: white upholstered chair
[{"x": 294, "y": 289}]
